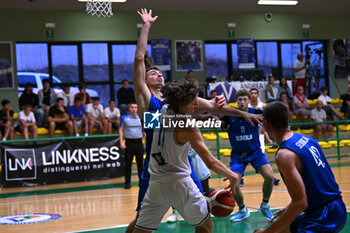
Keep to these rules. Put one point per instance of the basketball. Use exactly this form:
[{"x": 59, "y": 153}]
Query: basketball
[{"x": 221, "y": 203}]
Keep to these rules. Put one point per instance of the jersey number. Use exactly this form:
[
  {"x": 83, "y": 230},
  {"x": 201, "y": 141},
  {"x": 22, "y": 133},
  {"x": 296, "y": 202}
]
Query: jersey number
[{"x": 242, "y": 129}]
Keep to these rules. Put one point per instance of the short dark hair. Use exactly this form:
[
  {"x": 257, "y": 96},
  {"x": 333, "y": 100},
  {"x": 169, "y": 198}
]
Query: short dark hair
[
  {"x": 111, "y": 101},
  {"x": 95, "y": 98},
  {"x": 283, "y": 93},
  {"x": 46, "y": 80},
  {"x": 125, "y": 80},
  {"x": 152, "y": 68},
  {"x": 4, "y": 102},
  {"x": 254, "y": 89},
  {"x": 81, "y": 86},
  {"x": 212, "y": 91},
  {"x": 276, "y": 113},
  {"x": 28, "y": 84},
  {"x": 59, "y": 99},
  {"x": 179, "y": 93},
  {"x": 242, "y": 92},
  {"x": 65, "y": 85},
  {"x": 189, "y": 71},
  {"x": 26, "y": 106},
  {"x": 324, "y": 88},
  {"x": 78, "y": 99}
]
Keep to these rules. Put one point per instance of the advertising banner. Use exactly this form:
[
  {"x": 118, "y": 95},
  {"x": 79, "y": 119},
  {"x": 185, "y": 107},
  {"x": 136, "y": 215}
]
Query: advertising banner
[{"x": 61, "y": 162}]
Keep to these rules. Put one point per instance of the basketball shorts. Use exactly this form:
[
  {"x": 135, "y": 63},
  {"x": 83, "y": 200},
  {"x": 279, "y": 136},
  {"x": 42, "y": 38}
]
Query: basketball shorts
[
  {"x": 182, "y": 194},
  {"x": 239, "y": 160},
  {"x": 331, "y": 218}
]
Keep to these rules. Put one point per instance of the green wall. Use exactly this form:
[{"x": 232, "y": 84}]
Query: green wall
[{"x": 28, "y": 26}]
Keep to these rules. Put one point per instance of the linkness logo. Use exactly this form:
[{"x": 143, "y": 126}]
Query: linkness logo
[{"x": 153, "y": 120}]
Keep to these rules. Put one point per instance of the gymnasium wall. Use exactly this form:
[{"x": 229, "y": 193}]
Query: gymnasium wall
[{"x": 26, "y": 26}]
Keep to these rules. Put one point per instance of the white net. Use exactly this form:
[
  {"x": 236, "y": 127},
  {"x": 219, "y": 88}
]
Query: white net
[{"x": 99, "y": 7}]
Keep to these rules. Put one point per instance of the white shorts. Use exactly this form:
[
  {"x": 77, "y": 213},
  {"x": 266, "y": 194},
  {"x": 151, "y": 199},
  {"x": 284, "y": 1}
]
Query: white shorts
[
  {"x": 199, "y": 166},
  {"x": 182, "y": 194}
]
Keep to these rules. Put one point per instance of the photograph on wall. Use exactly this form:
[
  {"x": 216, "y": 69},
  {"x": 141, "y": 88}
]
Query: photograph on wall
[
  {"x": 341, "y": 53},
  {"x": 6, "y": 69},
  {"x": 188, "y": 55}
]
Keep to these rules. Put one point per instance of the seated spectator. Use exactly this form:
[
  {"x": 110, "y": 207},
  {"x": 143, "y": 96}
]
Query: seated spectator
[
  {"x": 85, "y": 97},
  {"x": 28, "y": 97},
  {"x": 47, "y": 97},
  {"x": 112, "y": 115},
  {"x": 319, "y": 115},
  {"x": 285, "y": 88},
  {"x": 272, "y": 90},
  {"x": 212, "y": 94},
  {"x": 67, "y": 96},
  {"x": 328, "y": 106},
  {"x": 77, "y": 114},
  {"x": 345, "y": 108},
  {"x": 6, "y": 114},
  {"x": 283, "y": 98},
  {"x": 59, "y": 119},
  {"x": 300, "y": 104},
  {"x": 125, "y": 96},
  {"x": 27, "y": 122},
  {"x": 96, "y": 117}
]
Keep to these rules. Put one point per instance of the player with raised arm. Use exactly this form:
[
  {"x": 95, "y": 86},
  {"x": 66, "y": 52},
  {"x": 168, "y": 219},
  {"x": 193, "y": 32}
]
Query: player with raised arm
[
  {"x": 147, "y": 86},
  {"x": 308, "y": 177}
]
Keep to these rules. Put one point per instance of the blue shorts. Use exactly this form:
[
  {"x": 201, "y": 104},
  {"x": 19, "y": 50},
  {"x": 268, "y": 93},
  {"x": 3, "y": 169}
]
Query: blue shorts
[
  {"x": 145, "y": 177},
  {"x": 239, "y": 160},
  {"x": 329, "y": 219}
]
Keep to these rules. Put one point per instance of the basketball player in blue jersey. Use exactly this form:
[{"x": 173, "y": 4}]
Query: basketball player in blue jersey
[
  {"x": 308, "y": 177},
  {"x": 245, "y": 143},
  {"x": 147, "y": 86}
]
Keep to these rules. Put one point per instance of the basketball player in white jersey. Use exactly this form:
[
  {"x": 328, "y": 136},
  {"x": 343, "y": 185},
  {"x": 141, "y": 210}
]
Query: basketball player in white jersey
[{"x": 170, "y": 183}]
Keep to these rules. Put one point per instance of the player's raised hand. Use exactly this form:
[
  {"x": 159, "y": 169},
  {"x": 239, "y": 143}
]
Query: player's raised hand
[
  {"x": 147, "y": 16},
  {"x": 220, "y": 101}
]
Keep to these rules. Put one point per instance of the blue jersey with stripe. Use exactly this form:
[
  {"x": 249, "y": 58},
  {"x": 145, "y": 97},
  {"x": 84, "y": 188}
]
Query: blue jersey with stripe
[
  {"x": 154, "y": 105},
  {"x": 243, "y": 136},
  {"x": 321, "y": 187}
]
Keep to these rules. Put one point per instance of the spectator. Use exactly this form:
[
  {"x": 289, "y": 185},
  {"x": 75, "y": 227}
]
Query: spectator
[
  {"x": 59, "y": 118},
  {"x": 345, "y": 108},
  {"x": 299, "y": 71},
  {"x": 28, "y": 97},
  {"x": 125, "y": 96},
  {"x": 284, "y": 88},
  {"x": 112, "y": 115},
  {"x": 67, "y": 96},
  {"x": 319, "y": 115},
  {"x": 85, "y": 97},
  {"x": 300, "y": 104},
  {"x": 272, "y": 90},
  {"x": 95, "y": 115},
  {"x": 254, "y": 99},
  {"x": 148, "y": 61},
  {"x": 27, "y": 122},
  {"x": 6, "y": 114},
  {"x": 283, "y": 98},
  {"x": 212, "y": 94},
  {"x": 131, "y": 129},
  {"x": 47, "y": 97},
  {"x": 77, "y": 114},
  {"x": 328, "y": 106}
]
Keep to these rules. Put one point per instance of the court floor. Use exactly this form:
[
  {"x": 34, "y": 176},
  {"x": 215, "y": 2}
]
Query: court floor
[{"x": 105, "y": 206}]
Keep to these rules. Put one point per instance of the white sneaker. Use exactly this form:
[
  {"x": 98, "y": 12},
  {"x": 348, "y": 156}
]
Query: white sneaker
[
  {"x": 173, "y": 217},
  {"x": 77, "y": 135},
  {"x": 4, "y": 139},
  {"x": 86, "y": 134}
]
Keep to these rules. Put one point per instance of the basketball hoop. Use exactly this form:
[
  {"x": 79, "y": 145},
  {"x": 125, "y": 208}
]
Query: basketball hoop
[{"x": 99, "y": 7}]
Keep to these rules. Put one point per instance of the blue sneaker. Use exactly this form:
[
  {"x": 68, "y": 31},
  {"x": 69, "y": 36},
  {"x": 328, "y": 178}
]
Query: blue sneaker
[
  {"x": 276, "y": 181},
  {"x": 240, "y": 215},
  {"x": 265, "y": 210},
  {"x": 241, "y": 183}
]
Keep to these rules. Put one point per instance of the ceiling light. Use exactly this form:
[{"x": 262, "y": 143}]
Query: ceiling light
[
  {"x": 277, "y": 2},
  {"x": 104, "y": 0}
]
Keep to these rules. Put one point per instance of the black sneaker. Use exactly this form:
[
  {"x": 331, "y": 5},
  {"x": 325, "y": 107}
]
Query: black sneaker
[
  {"x": 127, "y": 186},
  {"x": 276, "y": 181}
]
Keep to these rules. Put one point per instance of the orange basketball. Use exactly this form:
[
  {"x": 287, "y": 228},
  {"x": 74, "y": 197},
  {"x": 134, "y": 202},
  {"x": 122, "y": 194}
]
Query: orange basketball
[{"x": 221, "y": 203}]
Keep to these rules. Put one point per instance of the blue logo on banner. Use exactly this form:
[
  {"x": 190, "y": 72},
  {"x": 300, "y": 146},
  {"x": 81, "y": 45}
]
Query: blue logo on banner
[{"x": 151, "y": 120}]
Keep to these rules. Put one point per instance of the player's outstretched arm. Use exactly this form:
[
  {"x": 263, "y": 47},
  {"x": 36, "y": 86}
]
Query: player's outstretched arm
[
  {"x": 142, "y": 93},
  {"x": 215, "y": 107},
  {"x": 289, "y": 165},
  {"x": 194, "y": 136}
]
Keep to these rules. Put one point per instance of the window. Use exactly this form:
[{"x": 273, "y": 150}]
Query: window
[
  {"x": 267, "y": 57},
  {"x": 100, "y": 90},
  {"x": 32, "y": 57},
  {"x": 65, "y": 63},
  {"x": 289, "y": 53},
  {"x": 234, "y": 56},
  {"x": 95, "y": 62},
  {"x": 23, "y": 79},
  {"x": 216, "y": 60}
]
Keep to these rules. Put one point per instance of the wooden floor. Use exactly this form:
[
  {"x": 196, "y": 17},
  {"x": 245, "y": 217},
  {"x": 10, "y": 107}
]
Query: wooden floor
[{"x": 106, "y": 204}]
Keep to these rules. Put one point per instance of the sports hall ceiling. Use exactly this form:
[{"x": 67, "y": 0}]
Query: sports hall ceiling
[{"x": 304, "y": 6}]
